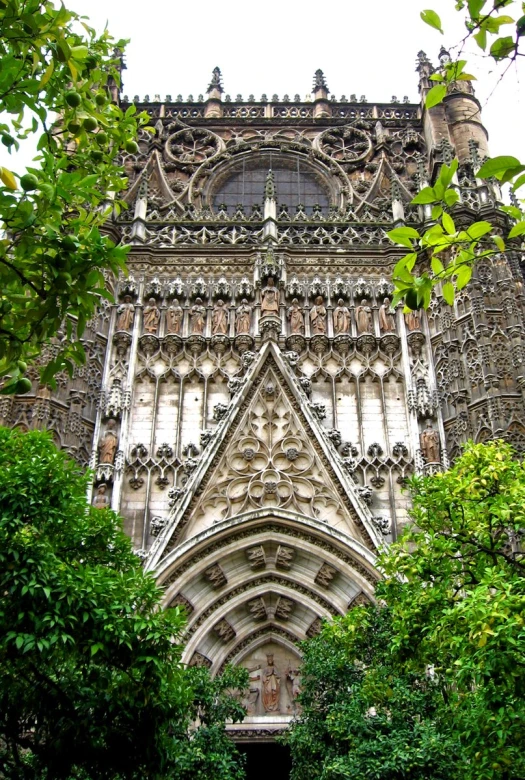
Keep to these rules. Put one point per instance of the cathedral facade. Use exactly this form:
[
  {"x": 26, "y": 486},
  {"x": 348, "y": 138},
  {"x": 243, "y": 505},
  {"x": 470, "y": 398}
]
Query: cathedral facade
[{"x": 252, "y": 405}]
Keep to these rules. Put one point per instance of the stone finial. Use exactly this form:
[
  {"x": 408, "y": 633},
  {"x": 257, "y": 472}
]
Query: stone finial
[
  {"x": 216, "y": 81},
  {"x": 320, "y": 81}
]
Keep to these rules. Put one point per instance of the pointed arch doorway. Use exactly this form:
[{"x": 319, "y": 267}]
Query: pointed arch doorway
[{"x": 266, "y": 759}]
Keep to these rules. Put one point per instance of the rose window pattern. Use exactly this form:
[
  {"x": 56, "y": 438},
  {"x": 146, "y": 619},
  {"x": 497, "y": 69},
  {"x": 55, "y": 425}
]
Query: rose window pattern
[
  {"x": 192, "y": 146},
  {"x": 345, "y": 144}
]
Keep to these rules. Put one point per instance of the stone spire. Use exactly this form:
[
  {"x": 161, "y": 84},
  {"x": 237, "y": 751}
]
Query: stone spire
[
  {"x": 269, "y": 187},
  {"x": 270, "y": 207},
  {"x": 320, "y": 91},
  {"x": 213, "y": 107},
  {"x": 215, "y": 84}
]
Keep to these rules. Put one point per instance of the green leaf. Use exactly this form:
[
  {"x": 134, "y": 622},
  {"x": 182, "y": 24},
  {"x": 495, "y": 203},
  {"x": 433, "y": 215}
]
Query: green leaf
[
  {"x": 518, "y": 183},
  {"x": 517, "y": 230},
  {"x": 448, "y": 293},
  {"x": 478, "y": 229},
  {"x": 497, "y": 166},
  {"x": 431, "y": 18},
  {"x": 437, "y": 266},
  {"x": 435, "y": 95},
  {"x": 502, "y": 47},
  {"x": 463, "y": 276},
  {"x": 427, "y": 195},
  {"x": 451, "y": 197},
  {"x": 8, "y": 178},
  {"x": 448, "y": 224},
  {"x": 481, "y": 39},
  {"x": 403, "y": 236},
  {"x": 474, "y": 7},
  {"x": 499, "y": 242}
]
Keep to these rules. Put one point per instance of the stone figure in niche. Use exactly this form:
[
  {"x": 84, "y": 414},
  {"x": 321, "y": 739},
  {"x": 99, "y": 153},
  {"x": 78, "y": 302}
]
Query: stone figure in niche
[
  {"x": 174, "y": 317},
  {"x": 318, "y": 317},
  {"x": 341, "y": 318},
  {"x": 293, "y": 684},
  {"x": 363, "y": 316},
  {"x": 413, "y": 320},
  {"x": 271, "y": 686},
  {"x": 251, "y": 694},
  {"x": 295, "y": 315},
  {"x": 108, "y": 444},
  {"x": 387, "y": 318},
  {"x": 151, "y": 316},
  {"x": 219, "y": 319},
  {"x": 125, "y": 314},
  {"x": 243, "y": 318},
  {"x": 429, "y": 440},
  {"x": 198, "y": 317},
  {"x": 101, "y": 501},
  {"x": 270, "y": 300}
]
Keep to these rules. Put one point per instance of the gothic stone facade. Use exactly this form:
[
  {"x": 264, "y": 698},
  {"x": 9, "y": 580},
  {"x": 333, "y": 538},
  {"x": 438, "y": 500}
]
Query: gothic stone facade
[{"x": 251, "y": 404}]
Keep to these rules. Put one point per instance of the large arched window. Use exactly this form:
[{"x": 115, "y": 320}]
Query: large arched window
[{"x": 295, "y": 182}]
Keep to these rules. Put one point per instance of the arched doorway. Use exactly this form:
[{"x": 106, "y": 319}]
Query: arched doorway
[{"x": 266, "y": 759}]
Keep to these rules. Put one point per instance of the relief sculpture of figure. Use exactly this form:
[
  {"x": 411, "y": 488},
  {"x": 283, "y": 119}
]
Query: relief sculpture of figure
[
  {"x": 198, "y": 317},
  {"x": 318, "y": 317},
  {"x": 387, "y": 318},
  {"x": 271, "y": 686},
  {"x": 174, "y": 317},
  {"x": 429, "y": 440},
  {"x": 151, "y": 316},
  {"x": 363, "y": 316},
  {"x": 101, "y": 501},
  {"x": 125, "y": 314},
  {"x": 108, "y": 444},
  {"x": 243, "y": 318},
  {"x": 293, "y": 685},
  {"x": 341, "y": 318},
  {"x": 413, "y": 320},
  {"x": 295, "y": 315},
  {"x": 270, "y": 300},
  {"x": 219, "y": 319}
]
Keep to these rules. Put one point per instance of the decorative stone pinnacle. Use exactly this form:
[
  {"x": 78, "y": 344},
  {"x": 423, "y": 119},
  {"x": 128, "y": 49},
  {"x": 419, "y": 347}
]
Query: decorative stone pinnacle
[
  {"x": 320, "y": 81},
  {"x": 216, "y": 81},
  {"x": 269, "y": 187}
]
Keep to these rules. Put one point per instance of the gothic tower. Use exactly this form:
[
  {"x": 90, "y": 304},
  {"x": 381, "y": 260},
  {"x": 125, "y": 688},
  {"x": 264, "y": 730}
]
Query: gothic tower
[{"x": 252, "y": 405}]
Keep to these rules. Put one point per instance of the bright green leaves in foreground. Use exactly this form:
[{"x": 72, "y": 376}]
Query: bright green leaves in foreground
[
  {"x": 52, "y": 254},
  {"x": 91, "y": 680},
  {"x": 432, "y": 683},
  {"x": 450, "y": 250}
]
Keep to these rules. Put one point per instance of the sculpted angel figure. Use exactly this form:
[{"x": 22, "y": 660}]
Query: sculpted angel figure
[
  {"x": 197, "y": 317},
  {"x": 270, "y": 300},
  {"x": 363, "y": 315},
  {"x": 318, "y": 316},
  {"x": 151, "y": 316},
  {"x": 219, "y": 319},
  {"x": 295, "y": 315},
  {"x": 387, "y": 318},
  {"x": 125, "y": 314},
  {"x": 174, "y": 317},
  {"x": 341, "y": 318},
  {"x": 243, "y": 317}
]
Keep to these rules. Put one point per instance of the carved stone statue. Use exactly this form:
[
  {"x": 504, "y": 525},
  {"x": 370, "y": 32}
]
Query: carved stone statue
[
  {"x": 387, "y": 318},
  {"x": 271, "y": 686},
  {"x": 101, "y": 501},
  {"x": 219, "y": 319},
  {"x": 151, "y": 316},
  {"x": 174, "y": 317},
  {"x": 341, "y": 318},
  {"x": 363, "y": 316},
  {"x": 413, "y": 320},
  {"x": 318, "y": 317},
  {"x": 429, "y": 440},
  {"x": 293, "y": 685},
  {"x": 197, "y": 317},
  {"x": 295, "y": 315},
  {"x": 108, "y": 444},
  {"x": 270, "y": 300},
  {"x": 243, "y": 318},
  {"x": 125, "y": 314}
]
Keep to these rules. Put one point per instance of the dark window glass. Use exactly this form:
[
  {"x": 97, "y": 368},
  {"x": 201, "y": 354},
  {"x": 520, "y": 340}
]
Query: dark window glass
[{"x": 293, "y": 185}]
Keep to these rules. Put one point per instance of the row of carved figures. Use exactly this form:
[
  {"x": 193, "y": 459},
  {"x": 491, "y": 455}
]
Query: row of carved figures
[{"x": 269, "y": 307}]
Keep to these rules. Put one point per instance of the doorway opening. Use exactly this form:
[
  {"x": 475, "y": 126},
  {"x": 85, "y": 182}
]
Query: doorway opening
[{"x": 266, "y": 759}]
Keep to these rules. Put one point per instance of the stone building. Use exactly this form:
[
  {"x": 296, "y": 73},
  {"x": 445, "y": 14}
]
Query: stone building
[{"x": 251, "y": 403}]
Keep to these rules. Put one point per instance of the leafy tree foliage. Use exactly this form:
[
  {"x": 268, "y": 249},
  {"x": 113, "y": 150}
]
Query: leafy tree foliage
[
  {"x": 451, "y": 250},
  {"x": 363, "y": 715},
  {"x": 432, "y": 683},
  {"x": 456, "y": 589},
  {"x": 52, "y": 253},
  {"x": 91, "y": 680}
]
